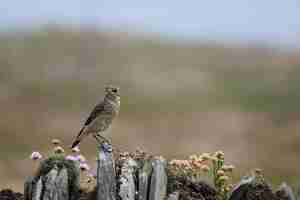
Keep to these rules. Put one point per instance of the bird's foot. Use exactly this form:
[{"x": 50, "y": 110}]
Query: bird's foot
[
  {"x": 107, "y": 147},
  {"x": 104, "y": 143}
]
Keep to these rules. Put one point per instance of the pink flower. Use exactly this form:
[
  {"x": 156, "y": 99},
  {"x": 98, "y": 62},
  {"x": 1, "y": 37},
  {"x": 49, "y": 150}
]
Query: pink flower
[
  {"x": 80, "y": 158},
  {"x": 70, "y": 157},
  {"x": 84, "y": 167},
  {"x": 36, "y": 155}
]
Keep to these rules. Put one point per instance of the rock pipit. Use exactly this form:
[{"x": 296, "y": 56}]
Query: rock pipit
[{"x": 101, "y": 117}]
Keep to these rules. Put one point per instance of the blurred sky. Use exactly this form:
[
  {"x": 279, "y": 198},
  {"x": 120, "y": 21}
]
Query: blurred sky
[{"x": 269, "y": 21}]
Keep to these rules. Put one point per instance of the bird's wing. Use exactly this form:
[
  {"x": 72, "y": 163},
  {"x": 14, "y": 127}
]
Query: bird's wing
[{"x": 95, "y": 113}]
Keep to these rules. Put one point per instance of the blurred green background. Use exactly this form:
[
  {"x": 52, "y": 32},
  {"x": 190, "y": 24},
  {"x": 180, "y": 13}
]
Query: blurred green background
[{"x": 179, "y": 97}]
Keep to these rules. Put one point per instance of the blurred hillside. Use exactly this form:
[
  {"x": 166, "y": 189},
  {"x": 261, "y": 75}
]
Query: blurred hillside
[{"x": 177, "y": 98}]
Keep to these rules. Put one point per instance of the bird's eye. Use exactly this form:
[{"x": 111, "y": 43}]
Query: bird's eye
[{"x": 114, "y": 90}]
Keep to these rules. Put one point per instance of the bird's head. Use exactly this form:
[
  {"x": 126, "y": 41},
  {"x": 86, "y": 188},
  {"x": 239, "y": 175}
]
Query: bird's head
[{"x": 112, "y": 91}]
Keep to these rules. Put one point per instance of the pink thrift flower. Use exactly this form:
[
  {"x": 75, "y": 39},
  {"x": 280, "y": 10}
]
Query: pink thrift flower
[
  {"x": 84, "y": 167},
  {"x": 70, "y": 157},
  {"x": 81, "y": 158},
  {"x": 35, "y": 155}
]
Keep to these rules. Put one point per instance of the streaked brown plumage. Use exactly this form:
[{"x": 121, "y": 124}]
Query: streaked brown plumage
[{"x": 101, "y": 117}]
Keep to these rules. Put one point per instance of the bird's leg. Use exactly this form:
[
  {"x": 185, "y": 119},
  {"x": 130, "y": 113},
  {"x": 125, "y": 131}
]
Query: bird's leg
[
  {"x": 103, "y": 138},
  {"x": 105, "y": 143},
  {"x": 98, "y": 140}
]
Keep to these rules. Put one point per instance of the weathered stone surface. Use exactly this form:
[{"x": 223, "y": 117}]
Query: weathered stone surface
[
  {"x": 285, "y": 192},
  {"x": 28, "y": 188},
  {"x": 241, "y": 188},
  {"x": 106, "y": 177},
  {"x": 61, "y": 184},
  {"x": 144, "y": 180},
  {"x": 127, "y": 189},
  {"x": 253, "y": 188},
  {"x": 158, "y": 185},
  {"x": 37, "y": 191},
  {"x": 56, "y": 185}
]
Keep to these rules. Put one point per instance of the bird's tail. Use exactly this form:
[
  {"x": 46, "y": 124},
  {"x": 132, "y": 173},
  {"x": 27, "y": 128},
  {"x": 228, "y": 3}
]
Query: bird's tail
[{"x": 78, "y": 138}]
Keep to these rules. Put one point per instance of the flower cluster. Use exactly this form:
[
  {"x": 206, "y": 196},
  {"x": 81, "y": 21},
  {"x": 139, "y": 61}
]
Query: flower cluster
[
  {"x": 75, "y": 156},
  {"x": 193, "y": 167},
  {"x": 206, "y": 164}
]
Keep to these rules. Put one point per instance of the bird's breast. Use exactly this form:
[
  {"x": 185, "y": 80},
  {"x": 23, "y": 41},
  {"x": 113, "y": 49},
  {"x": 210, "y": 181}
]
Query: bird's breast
[{"x": 113, "y": 107}]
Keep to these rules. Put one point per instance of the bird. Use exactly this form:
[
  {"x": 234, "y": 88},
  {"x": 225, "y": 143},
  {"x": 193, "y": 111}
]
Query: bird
[{"x": 101, "y": 117}]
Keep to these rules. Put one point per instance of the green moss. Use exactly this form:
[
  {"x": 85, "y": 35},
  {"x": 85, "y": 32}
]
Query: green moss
[{"x": 147, "y": 166}]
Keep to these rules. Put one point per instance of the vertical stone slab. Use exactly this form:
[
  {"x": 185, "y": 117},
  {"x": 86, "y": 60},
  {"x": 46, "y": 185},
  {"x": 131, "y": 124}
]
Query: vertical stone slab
[
  {"x": 28, "y": 188},
  {"x": 32, "y": 189},
  {"x": 61, "y": 185},
  {"x": 241, "y": 188},
  {"x": 49, "y": 185},
  {"x": 106, "y": 177},
  {"x": 56, "y": 179},
  {"x": 127, "y": 184},
  {"x": 285, "y": 191},
  {"x": 144, "y": 180},
  {"x": 158, "y": 185}
]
